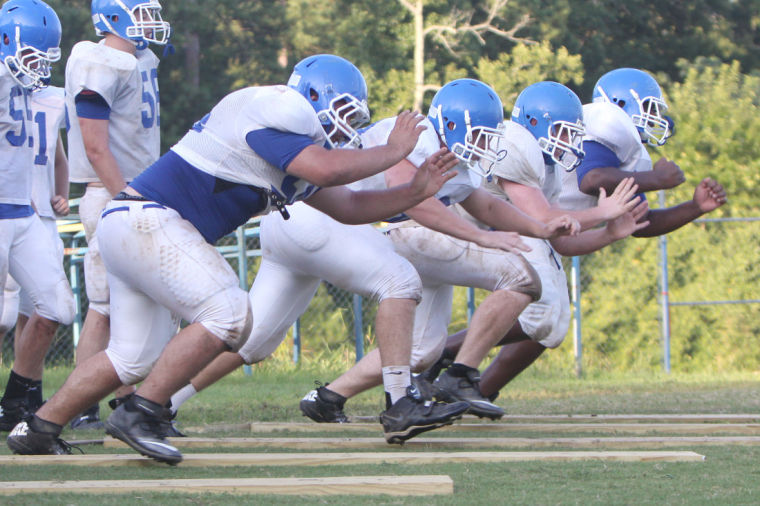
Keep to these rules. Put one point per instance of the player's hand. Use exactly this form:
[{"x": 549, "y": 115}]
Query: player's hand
[
  {"x": 506, "y": 241},
  {"x": 561, "y": 225},
  {"x": 60, "y": 205},
  {"x": 630, "y": 222},
  {"x": 433, "y": 173},
  {"x": 622, "y": 200},
  {"x": 669, "y": 174},
  {"x": 406, "y": 132},
  {"x": 709, "y": 195}
]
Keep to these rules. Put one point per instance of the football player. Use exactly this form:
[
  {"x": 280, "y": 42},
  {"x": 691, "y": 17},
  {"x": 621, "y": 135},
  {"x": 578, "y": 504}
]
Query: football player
[
  {"x": 113, "y": 103},
  {"x": 30, "y": 34},
  {"x": 259, "y": 148}
]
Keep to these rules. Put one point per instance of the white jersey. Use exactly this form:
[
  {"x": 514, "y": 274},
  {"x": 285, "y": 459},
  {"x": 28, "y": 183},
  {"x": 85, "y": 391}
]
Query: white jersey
[
  {"x": 611, "y": 127},
  {"x": 49, "y": 118},
  {"x": 217, "y": 144},
  {"x": 16, "y": 141},
  {"x": 524, "y": 164},
  {"x": 129, "y": 85},
  {"x": 453, "y": 191}
]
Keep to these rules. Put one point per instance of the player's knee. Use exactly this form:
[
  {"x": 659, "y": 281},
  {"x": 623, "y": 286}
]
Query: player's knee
[
  {"x": 401, "y": 282},
  {"x": 230, "y": 318},
  {"x": 425, "y": 354},
  {"x": 103, "y": 308},
  {"x": 524, "y": 280},
  {"x": 58, "y": 304},
  {"x": 546, "y": 324},
  {"x": 128, "y": 370}
]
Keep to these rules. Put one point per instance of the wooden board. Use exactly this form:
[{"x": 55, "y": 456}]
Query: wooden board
[
  {"x": 606, "y": 428},
  {"x": 606, "y": 418},
  {"x": 355, "y": 485},
  {"x": 319, "y": 459},
  {"x": 347, "y": 443}
]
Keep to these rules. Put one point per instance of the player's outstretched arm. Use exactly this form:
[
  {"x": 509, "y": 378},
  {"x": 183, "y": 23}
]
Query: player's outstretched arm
[
  {"x": 708, "y": 196},
  {"x": 595, "y": 239},
  {"x": 665, "y": 174},
  {"x": 356, "y": 207},
  {"x": 502, "y": 215},
  {"x": 336, "y": 167}
]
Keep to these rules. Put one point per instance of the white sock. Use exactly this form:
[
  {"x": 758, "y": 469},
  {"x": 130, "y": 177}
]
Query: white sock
[
  {"x": 395, "y": 379},
  {"x": 181, "y": 396}
]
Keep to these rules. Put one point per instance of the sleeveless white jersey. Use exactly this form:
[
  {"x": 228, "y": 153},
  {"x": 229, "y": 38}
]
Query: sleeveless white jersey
[
  {"x": 16, "y": 141},
  {"x": 49, "y": 114},
  {"x": 129, "y": 85},
  {"x": 217, "y": 144},
  {"x": 611, "y": 127},
  {"x": 453, "y": 191}
]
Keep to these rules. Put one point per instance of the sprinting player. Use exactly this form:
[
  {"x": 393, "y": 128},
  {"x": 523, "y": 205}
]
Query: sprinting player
[
  {"x": 446, "y": 250},
  {"x": 113, "y": 105},
  {"x": 258, "y": 149},
  {"x": 625, "y": 117},
  {"x": 30, "y": 36}
]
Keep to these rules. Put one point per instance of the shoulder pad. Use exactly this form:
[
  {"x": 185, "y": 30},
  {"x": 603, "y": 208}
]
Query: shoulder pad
[
  {"x": 98, "y": 68},
  {"x": 610, "y": 126},
  {"x": 103, "y": 56},
  {"x": 284, "y": 109},
  {"x": 524, "y": 163}
]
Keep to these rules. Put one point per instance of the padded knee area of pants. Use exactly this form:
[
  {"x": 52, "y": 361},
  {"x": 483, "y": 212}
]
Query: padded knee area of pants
[
  {"x": 229, "y": 317},
  {"x": 529, "y": 282},
  {"x": 401, "y": 282},
  {"x": 59, "y": 304},
  {"x": 103, "y": 308},
  {"x": 128, "y": 371},
  {"x": 425, "y": 354}
]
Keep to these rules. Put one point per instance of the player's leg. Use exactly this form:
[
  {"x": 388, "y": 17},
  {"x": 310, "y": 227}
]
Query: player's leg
[
  {"x": 277, "y": 297},
  {"x": 168, "y": 260},
  {"x": 34, "y": 264},
  {"x": 542, "y": 325},
  {"x": 513, "y": 284},
  {"x": 95, "y": 329}
]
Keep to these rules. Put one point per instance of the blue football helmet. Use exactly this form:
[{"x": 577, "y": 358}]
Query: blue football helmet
[
  {"x": 136, "y": 20},
  {"x": 640, "y": 96},
  {"x": 336, "y": 90},
  {"x": 468, "y": 116},
  {"x": 31, "y": 36},
  {"x": 554, "y": 115}
]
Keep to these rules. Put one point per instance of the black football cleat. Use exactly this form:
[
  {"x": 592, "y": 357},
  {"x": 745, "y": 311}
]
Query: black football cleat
[
  {"x": 412, "y": 415},
  {"x": 460, "y": 383},
  {"x": 324, "y": 406}
]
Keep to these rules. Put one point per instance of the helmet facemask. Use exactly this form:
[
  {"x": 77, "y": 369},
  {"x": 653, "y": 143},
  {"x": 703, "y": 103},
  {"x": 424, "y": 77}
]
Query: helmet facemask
[
  {"x": 651, "y": 122},
  {"x": 563, "y": 144},
  {"x": 340, "y": 120},
  {"x": 148, "y": 25},
  {"x": 481, "y": 148},
  {"x": 29, "y": 66}
]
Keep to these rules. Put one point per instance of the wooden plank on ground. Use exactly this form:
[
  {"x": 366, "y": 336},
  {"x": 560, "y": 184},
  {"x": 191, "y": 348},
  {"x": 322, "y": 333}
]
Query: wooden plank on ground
[
  {"x": 319, "y": 459},
  {"x": 354, "y": 485},
  {"x": 606, "y": 428},
  {"x": 349, "y": 443},
  {"x": 606, "y": 418}
]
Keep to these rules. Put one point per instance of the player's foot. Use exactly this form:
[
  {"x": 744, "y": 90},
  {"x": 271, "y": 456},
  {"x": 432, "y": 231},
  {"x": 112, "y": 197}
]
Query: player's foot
[
  {"x": 171, "y": 426},
  {"x": 412, "y": 415},
  {"x": 424, "y": 386},
  {"x": 142, "y": 425},
  {"x": 13, "y": 411},
  {"x": 324, "y": 406},
  {"x": 37, "y": 437},
  {"x": 432, "y": 373},
  {"x": 460, "y": 383},
  {"x": 88, "y": 419}
]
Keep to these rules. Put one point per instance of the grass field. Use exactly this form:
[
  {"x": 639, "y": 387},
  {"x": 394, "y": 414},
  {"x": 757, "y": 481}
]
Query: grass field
[{"x": 730, "y": 474}]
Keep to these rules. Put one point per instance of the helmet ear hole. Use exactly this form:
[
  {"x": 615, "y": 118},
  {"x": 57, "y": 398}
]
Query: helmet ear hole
[
  {"x": 451, "y": 125},
  {"x": 6, "y": 40},
  {"x": 313, "y": 94},
  {"x": 621, "y": 103},
  {"x": 533, "y": 122}
]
